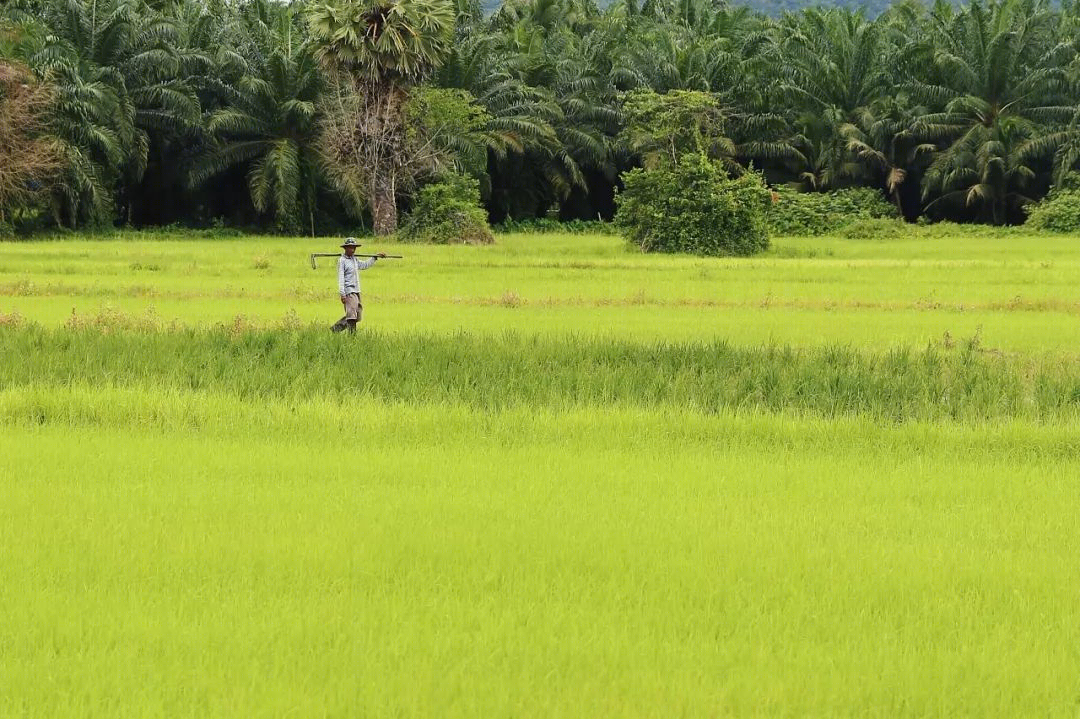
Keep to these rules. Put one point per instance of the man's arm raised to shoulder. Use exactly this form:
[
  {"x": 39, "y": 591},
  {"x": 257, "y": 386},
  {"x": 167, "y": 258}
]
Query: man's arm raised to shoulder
[{"x": 369, "y": 262}]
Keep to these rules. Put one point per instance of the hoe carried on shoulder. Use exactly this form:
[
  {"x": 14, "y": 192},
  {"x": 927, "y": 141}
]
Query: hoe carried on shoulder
[{"x": 338, "y": 254}]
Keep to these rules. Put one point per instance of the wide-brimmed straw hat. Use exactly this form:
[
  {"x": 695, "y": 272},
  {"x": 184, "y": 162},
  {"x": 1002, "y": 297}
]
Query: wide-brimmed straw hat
[{"x": 351, "y": 242}]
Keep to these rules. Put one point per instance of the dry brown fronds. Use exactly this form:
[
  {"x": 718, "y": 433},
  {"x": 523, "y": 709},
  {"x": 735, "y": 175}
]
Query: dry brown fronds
[{"x": 29, "y": 158}]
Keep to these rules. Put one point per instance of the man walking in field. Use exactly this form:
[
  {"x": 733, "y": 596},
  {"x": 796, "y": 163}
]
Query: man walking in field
[{"x": 349, "y": 268}]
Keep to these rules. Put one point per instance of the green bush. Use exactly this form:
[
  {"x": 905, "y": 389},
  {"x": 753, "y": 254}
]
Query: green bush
[
  {"x": 819, "y": 213},
  {"x": 951, "y": 230},
  {"x": 1059, "y": 211},
  {"x": 448, "y": 212},
  {"x": 694, "y": 207},
  {"x": 543, "y": 225},
  {"x": 662, "y": 128},
  {"x": 874, "y": 229}
]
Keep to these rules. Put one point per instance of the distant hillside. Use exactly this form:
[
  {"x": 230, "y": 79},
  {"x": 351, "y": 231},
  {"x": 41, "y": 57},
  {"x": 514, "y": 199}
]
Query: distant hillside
[{"x": 770, "y": 7}]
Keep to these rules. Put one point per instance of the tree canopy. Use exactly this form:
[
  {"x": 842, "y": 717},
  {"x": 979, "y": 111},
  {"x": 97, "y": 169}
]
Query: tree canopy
[{"x": 201, "y": 111}]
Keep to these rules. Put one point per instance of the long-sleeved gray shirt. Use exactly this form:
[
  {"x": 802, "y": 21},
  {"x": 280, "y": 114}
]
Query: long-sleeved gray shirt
[{"x": 348, "y": 273}]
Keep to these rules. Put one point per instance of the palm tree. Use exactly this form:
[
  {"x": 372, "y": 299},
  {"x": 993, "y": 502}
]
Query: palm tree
[
  {"x": 1062, "y": 140},
  {"x": 382, "y": 47},
  {"x": 880, "y": 137},
  {"x": 590, "y": 115},
  {"x": 522, "y": 118},
  {"x": 268, "y": 121},
  {"x": 832, "y": 70},
  {"x": 1063, "y": 143},
  {"x": 119, "y": 75},
  {"x": 689, "y": 45},
  {"x": 997, "y": 75},
  {"x": 94, "y": 121},
  {"x": 541, "y": 69},
  {"x": 984, "y": 169},
  {"x": 560, "y": 50}
]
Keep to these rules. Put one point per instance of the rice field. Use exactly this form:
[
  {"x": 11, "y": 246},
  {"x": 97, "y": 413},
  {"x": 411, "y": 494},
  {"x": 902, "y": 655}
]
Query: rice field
[
  {"x": 548, "y": 478},
  {"x": 1017, "y": 293}
]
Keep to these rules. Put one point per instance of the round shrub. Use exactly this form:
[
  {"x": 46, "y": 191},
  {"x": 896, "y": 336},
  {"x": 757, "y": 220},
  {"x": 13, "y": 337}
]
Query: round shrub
[
  {"x": 694, "y": 207},
  {"x": 448, "y": 212},
  {"x": 1059, "y": 211}
]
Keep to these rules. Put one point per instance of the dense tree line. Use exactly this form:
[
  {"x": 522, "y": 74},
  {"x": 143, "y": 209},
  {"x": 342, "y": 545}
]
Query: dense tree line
[
  {"x": 322, "y": 114},
  {"x": 872, "y": 8}
]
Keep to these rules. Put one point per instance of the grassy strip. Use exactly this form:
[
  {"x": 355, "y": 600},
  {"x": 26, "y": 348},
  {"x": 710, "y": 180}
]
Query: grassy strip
[
  {"x": 512, "y": 370},
  {"x": 511, "y": 299},
  {"x": 215, "y": 417}
]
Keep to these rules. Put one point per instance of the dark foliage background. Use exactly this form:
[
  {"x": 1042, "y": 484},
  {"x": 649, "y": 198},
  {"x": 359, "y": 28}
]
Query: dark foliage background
[{"x": 203, "y": 112}]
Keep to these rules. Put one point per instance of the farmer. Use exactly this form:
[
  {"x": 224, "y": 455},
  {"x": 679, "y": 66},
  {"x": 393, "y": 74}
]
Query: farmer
[{"x": 348, "y": 273}]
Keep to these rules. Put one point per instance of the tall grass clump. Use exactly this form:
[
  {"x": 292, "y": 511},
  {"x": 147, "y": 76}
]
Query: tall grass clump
[{"x": 513, "y": 370}]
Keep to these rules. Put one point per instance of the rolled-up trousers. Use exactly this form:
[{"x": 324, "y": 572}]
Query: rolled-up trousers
[{"x": 354, "y": 310}]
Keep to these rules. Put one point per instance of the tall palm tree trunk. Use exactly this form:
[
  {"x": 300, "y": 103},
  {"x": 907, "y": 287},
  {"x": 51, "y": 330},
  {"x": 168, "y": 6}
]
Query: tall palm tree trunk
[
  {"x": 383, "y": 199},
  {"x": 384, "y": 125}
]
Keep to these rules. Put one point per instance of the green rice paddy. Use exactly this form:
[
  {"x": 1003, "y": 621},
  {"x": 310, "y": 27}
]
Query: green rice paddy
[
  {"x": 1016, "y": 292},
  {"x": 549, "y": 478}
]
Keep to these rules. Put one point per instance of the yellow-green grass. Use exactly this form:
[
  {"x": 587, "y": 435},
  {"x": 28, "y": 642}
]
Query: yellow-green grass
[
  {"x": 1018, "y": 293},
  {"x": 511, "y": 370},
  {"x": 551, "y": 478},
  {"x": 378, "y": 560}
]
